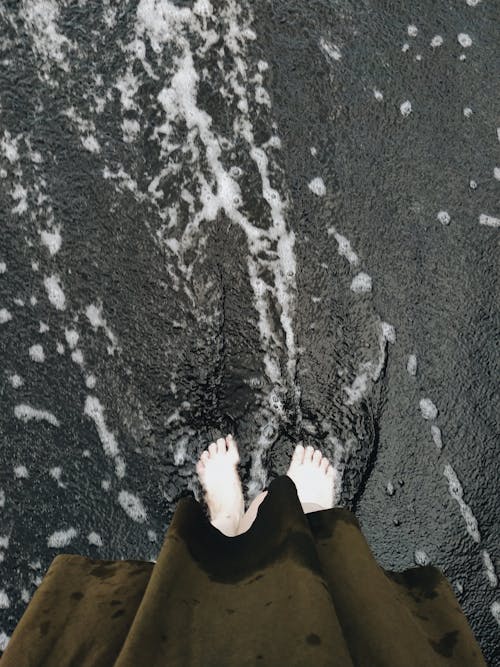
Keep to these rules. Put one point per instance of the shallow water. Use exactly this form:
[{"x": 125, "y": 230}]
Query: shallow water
[{"x": 277, "y": 220}]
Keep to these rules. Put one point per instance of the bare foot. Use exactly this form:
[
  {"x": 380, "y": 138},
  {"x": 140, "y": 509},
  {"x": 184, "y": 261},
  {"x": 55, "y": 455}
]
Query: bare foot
[
  {"x": 313, "y": 476},
  {"x": 216, "y": 469}
]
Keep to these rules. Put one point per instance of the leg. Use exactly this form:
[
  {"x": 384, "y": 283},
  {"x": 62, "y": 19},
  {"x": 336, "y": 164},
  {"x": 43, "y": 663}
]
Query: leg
[{"x": 249, "y": 517}]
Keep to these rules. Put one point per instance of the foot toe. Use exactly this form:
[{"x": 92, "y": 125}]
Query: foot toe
[
  {"x": 231, "y": 445},
  {"x": 324, "y": 464},
  {"x": 298, "y": 454},
  {"x": 212, "y": 449},
  {"x": 317, "y": 456},
  {"x": 205, "y": 456},
  {"x": 309, "y": 453},
  {"x": 221, "y": 445}
]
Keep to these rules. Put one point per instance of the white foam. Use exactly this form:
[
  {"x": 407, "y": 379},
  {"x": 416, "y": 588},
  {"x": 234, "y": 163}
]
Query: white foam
[
  {"x": 405, "y": 108},
  {"x": 130, "y": 129},
  {"x": 55, "y": 292},
  {"x": 52, "y": 240},
  {"x": 8, "y": 146},
  {"x": 95, "y": 539},
  {"x": 71, "y": 337},
  {"x": 444, "y": 217},
  {"x": 456, "y": 492},
  {"x": 344, "y": 247},
  {"x": 464, "y": 39},
  {"x": 332, "y": 51},
  {"x": 41, "y": 20},
  {"x": 421, "y": 558},
  {"x": 436, "y": 436},
  {"x": 496, "y": 173},
  {"x": 91, "y": 144},
  {"x": 412, "y": 30},
  {"x": 405, "y": 47},
  {"x": 133, "y": 506},
  {"x": 411, "y": 365},
  {"x": 4, "y": 640},
  {"x": 437, "y": 40},
  {"x": 77, "y": 357},
  {"x": 378, "y": 95},
  {"x": 19, "y": 194},
  {"x": 428, "y": 409},
  {"x": 3, "y": 267},
  {"x": 16, "y": 381},
  {"x": 36, "y": 353},
  {"x": 21, "y": 472},
  {"x": 388, "y": 333},
  {"x": 4, "y": 599},
  {"x": 489, "y": 220},
  {"x": 61, "y": 538},
  {"x": 495, "y": 611},
  {"x": 5, "y": 315},
  {"x": 467, "y": 112},
  {"x": 95, "y": 411},
  {"x": 361, "y": 283},
  {"x": 94, "y": 315},
  {"x": 55, "y": 472},
  {"x": 490, "y": 569},
  {"x": 317, "y": 186},
  {"x": 26, "y": 412},
  {"x": 473, "y": 3}
]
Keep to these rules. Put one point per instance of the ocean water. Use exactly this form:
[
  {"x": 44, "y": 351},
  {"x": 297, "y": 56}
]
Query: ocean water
[{"x": 272, "y": 219}]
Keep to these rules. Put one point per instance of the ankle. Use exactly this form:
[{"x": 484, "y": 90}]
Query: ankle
[
  {"x": 307, "y": 508},
  {"x": 226, "y": 523}
]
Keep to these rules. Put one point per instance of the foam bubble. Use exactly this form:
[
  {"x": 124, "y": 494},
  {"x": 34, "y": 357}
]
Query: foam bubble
[
  {"x": 436, "y": 436},
  {"x": 317, "y": 186},
  {"x": 52, "y": 240},
  {"x": 405, "y": 108},
  {"x": 361, "y": 283},
  {"x": 5, "y": 316},
  {"x": 411, "y": 365},
  {"x": 428, "y": 409},
  {"x": 132, "y": 505},
  {"x": 444, "y": 217},
  {"x": 54, "y": 292},
  {"x": 489, "y": 220},
  {"x": 36, "y": 353},
  {"x": 464, "y": 39},
  {"x": 61, "y": 538}
]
